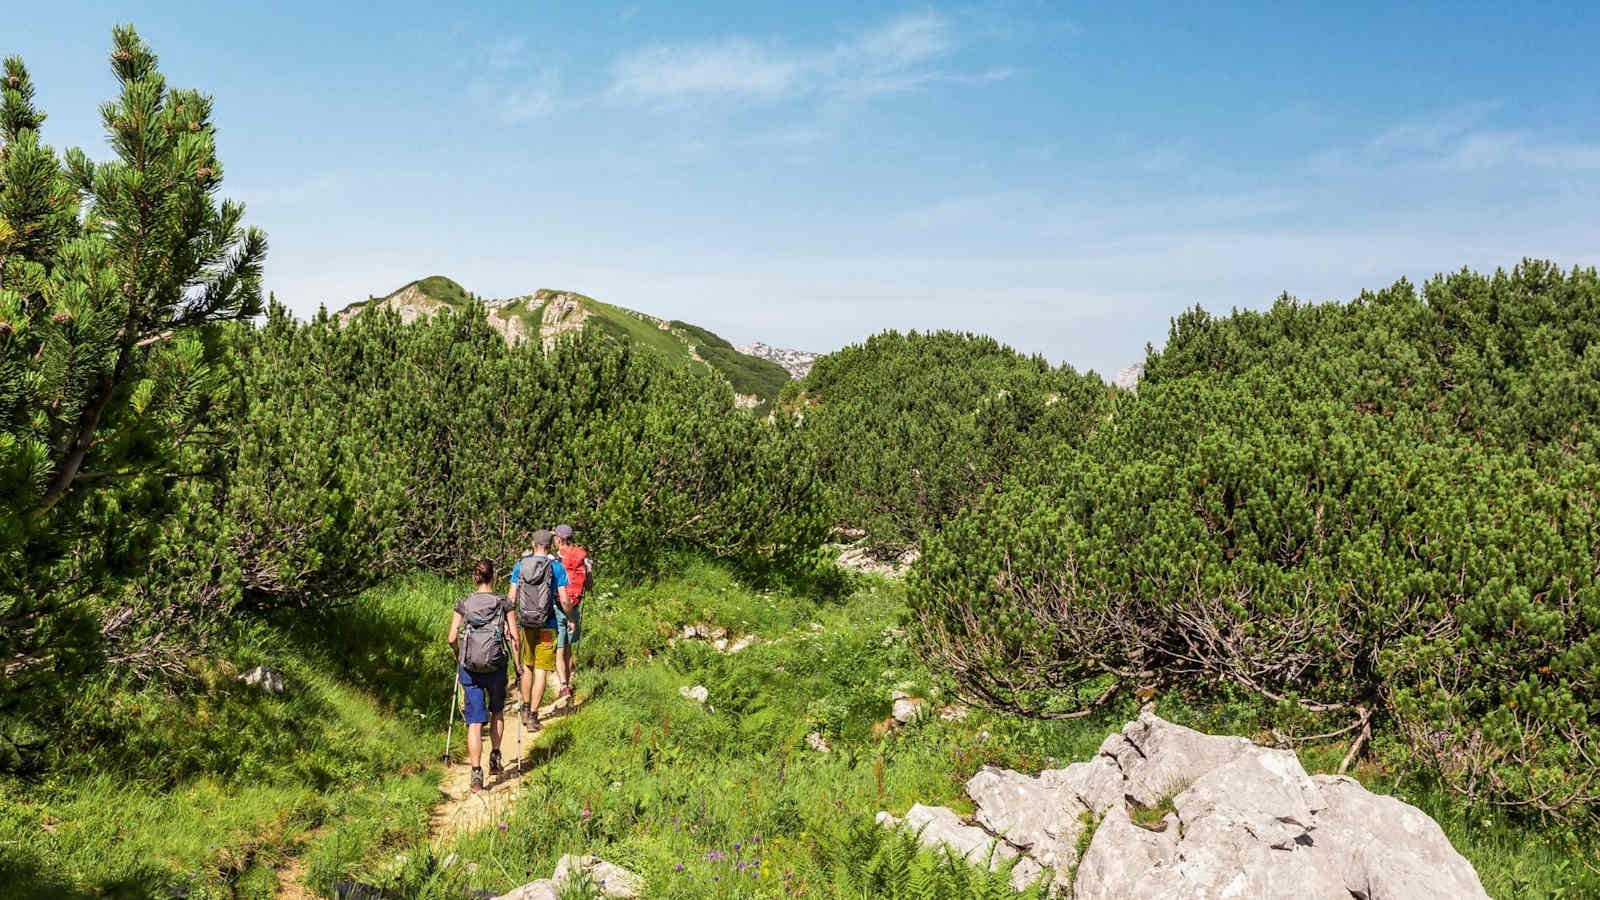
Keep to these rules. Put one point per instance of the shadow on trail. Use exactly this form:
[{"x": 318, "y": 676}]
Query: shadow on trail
[{"x": 543, "y": 755}]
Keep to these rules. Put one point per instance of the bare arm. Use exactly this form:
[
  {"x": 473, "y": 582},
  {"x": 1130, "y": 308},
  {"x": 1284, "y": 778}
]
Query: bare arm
[
  {"x": 566, "y": 601},
  {"x": 513, "y": 627},
  {"x": 455, "y": 630}
]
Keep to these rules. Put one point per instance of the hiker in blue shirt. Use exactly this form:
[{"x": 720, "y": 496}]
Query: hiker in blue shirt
[{"x": 538, "y": 589}]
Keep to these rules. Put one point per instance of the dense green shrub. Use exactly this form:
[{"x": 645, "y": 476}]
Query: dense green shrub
[
  {"x": 383, "y": 447},
  {"x": 1510, "y": 359},
  {"x": 911, "y": 429},
  {"x": 1340, "y": 509}
]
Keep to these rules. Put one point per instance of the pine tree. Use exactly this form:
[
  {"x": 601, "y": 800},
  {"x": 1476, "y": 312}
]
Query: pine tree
[{"x": 111, "y": 275}]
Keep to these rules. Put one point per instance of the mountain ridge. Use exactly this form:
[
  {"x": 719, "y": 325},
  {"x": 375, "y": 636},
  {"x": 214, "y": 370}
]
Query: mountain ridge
[{"x": 546, "y": 314}]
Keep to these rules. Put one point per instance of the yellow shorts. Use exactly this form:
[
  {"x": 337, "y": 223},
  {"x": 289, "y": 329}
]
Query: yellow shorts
[{"x": 539, "y": 653}]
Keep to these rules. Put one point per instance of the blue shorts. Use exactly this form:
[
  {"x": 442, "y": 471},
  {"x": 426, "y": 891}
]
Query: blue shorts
[
  {"x": 484, "y": 693},
  {"x": 562, "y": 638}
]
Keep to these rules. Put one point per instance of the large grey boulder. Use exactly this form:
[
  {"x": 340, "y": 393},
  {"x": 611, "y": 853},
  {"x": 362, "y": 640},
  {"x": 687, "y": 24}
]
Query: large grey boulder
[
  {"x": 1382, "y": 847},
  {"x": 1122, "y": 855},
  {"x": 1158, "y": 759},
  {"x": 1040, "y": 816},
  {"x": 1245, "y": 829},
  {"x": 1263, "y": 792},
  {"x": 1245, "y": 822},
  {"x": 1097, "y": 784}
]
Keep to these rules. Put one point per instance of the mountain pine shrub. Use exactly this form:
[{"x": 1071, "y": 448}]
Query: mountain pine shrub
[
  {"x": 1383, "y": 513},
  {"x": 114, "y": 279},
  {"x": 910, "y": 429}
]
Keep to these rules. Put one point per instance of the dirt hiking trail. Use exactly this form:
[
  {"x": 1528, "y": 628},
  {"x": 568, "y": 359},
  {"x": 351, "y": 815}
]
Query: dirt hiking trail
[{"x": 461, "y": 811}]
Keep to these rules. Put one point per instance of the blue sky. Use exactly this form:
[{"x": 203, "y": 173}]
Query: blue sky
[{"x": 1065, "y": 177}]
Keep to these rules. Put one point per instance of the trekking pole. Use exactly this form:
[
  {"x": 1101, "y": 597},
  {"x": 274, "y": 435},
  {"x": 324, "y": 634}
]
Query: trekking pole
[
  {"x": 516, "y": 724},
  {"x": 449, "y": 730}
]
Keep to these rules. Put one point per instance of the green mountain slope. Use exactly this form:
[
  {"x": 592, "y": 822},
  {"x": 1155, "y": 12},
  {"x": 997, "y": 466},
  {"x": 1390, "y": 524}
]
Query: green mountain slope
[{"x": 546, "y": 314}]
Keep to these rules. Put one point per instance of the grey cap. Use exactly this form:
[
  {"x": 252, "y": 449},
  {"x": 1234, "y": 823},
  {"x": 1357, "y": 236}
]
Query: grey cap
[
  {"x": 541, "y": 538},
  {"x": 564, "y": 532}
]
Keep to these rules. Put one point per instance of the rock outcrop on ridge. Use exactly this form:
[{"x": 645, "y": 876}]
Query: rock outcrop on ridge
[
  {"x": 1244, "y": 821},
  {"x": 797, "y": 362},
  {"x": 1129, "y": 376}
]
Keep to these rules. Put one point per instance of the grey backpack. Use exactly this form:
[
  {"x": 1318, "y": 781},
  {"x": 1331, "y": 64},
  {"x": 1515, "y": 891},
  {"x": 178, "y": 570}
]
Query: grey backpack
[
  {"x": 537, "y": 591},
  {"x": 483, "y": 641}
]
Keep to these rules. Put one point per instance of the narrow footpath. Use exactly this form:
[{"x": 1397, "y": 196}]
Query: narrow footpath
[{"x": 462, "y": 811}]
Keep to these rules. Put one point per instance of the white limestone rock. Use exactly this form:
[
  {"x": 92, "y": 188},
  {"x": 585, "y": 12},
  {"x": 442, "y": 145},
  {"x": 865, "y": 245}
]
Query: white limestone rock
[
  {"x": 269, "y": 680},
  {"x": 611, "y": 880}
]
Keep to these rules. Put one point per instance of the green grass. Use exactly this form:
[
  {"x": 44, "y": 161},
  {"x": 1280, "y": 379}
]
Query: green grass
[
  {"x": 442, "y": 289},
  {"x": 337, "y": 776},
  {"x": 627, "y": 325},
  {"x": 215, "y": 785},
  {"x": 667, "y": 782}
]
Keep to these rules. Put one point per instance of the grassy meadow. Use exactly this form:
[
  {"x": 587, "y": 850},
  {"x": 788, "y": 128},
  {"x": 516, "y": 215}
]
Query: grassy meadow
[{"x": 225, "y": 791}]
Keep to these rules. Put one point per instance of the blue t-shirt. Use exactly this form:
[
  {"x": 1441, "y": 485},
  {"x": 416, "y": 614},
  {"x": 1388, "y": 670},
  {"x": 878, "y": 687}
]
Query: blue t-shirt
[{"x": 557, "y": 571}]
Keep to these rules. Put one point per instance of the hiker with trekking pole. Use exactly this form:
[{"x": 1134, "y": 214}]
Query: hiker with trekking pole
[{"x": 483, "y": 638}]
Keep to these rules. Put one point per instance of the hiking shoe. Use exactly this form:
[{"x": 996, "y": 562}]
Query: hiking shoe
[
  {"x": 565, "y": 693},
  {"x": 494, "y": 763},
  {"x": 477, "y": 779},
  {"x": 530, "y": 719}
]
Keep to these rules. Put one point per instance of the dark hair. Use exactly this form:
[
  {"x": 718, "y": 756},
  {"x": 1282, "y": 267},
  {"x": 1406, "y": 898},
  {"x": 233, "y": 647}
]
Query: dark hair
[{"x": 483, "y": 572}]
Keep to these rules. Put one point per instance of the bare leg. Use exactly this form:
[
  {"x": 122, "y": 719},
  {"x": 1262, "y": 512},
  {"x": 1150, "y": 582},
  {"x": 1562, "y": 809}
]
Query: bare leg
[
  {"x": 538, "y": 688},
  {"x": 474, "y": 743},
  {"x": 562, "y": 658},
  {"x": 527, "y": 687},
  {"x": 497, "y": 729}
]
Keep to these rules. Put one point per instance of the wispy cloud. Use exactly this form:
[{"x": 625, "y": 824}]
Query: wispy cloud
[
  {"x": 899, "y": 55},
  {"x": 514, "y": 83},
  {"x": 1524, "y": 149},
  {"x": 1433, "y": 130},
  {"x": 903, "y": 41},
  {"x": 1457, "y": 139},
  {"x": 734, "y": 67}
]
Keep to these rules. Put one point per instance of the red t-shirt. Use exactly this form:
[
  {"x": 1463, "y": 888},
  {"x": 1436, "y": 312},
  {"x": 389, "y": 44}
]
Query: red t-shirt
[{"x": 575, "y": 560}]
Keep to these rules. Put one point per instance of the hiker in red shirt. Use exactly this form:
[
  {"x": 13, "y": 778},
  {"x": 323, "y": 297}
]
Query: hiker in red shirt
[{"x": 575, "y": 560}]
